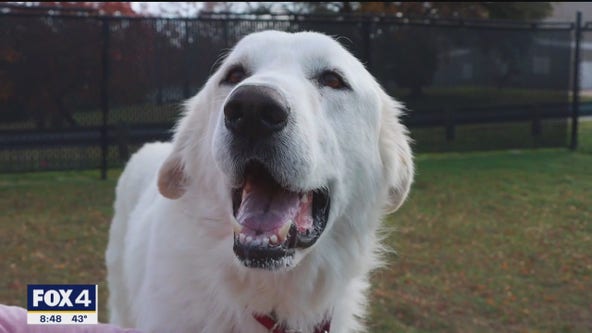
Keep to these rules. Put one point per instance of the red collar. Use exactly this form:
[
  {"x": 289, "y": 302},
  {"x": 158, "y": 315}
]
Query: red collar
[{"x": 274, "y": 327}]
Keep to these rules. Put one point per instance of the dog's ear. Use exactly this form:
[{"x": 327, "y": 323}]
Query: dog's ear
[
  {"x": 396, "y": 154},
  {"x": 172, "y": 180}
]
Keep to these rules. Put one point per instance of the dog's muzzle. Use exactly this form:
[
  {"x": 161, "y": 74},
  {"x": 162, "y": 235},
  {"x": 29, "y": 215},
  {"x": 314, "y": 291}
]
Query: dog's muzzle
[{"x": 273, "y": 216}]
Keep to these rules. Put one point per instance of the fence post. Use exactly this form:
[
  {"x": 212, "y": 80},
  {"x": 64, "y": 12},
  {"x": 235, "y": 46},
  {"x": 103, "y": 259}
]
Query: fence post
[
  {"x": 105, "y": 97},
  {"x": 575, "y": 97}
]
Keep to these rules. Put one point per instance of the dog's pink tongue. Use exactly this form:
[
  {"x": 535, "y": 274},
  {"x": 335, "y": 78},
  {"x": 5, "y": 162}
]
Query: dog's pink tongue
[{"x": 266, "y": 206}]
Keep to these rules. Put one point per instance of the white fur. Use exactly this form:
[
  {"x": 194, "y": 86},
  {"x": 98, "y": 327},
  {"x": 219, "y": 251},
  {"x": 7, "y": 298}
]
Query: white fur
[{"x": 171, "y": 267}]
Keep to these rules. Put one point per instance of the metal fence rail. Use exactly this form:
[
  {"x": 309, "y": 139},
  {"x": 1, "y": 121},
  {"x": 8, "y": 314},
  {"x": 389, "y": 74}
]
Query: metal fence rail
[{"x": 83, "y": 91}]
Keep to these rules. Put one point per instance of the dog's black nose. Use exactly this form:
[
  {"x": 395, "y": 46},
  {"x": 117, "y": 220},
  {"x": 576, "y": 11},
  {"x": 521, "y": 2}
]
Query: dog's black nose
[{"x": 255, "y": 112}]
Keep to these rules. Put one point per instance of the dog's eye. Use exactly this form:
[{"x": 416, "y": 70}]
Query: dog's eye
[
  {"x": 235, "y": 75},
  {"x": 332, "y": 79}
]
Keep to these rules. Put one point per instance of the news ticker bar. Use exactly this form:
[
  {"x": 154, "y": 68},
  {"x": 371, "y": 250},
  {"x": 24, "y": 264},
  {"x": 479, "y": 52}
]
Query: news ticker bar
[{"x": 62, "y": 304}]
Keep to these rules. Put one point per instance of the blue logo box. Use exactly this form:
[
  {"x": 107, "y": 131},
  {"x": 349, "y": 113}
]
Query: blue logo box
[{"x": 62, "y": 297}]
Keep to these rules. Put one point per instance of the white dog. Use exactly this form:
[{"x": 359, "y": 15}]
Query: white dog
[{"x": 262, "y": 215}]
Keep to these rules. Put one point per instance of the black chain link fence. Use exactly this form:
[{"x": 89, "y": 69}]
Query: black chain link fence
[{"x": 81, "y": 91}]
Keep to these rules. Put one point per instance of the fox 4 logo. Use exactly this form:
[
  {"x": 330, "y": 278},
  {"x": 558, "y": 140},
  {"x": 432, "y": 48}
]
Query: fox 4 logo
[{"x": 62, "y": 297}]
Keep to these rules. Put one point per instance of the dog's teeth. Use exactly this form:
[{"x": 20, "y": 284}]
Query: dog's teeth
[
  {"x": 304, "y": 199},
  {"x": 241, "y": 238},
  {"x": 273, "y": 239},
  {"x": 249, "y": 240},
  {"x": 283, "y": 232},
  {"x": 256, "y": 242},
  {"x": 246, "y": 190},
  {"x": 265, "y": 241},
  {"x": 236, "y": 227},
  {"x": 247, "y": 187}
]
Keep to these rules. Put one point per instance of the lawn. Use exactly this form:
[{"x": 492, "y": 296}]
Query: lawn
[
  {"x": 475, "y": 96},
  {"x": 497, "y": 242},
  {"x": 487, "y": 242}
]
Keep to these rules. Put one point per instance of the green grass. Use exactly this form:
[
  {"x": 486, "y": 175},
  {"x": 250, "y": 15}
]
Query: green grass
[
  {"x": 474, "y": 96},
  {"x": 53, "y": 229},
  {"x": 491, "y": 242},
  {"x": 585, "y": 136},
  {"x": 496, "y": 136},
  {"x": 146, "y": 113},
  {"x": 487, "y": 242}
]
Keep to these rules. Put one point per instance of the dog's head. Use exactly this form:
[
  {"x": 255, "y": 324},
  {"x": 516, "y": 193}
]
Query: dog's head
[{"x": 303, "y": 137}]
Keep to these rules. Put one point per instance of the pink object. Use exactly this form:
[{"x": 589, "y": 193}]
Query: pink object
[{"x": 13, "y": 319}]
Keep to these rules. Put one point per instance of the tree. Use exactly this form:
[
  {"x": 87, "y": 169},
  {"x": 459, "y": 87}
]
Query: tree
[
  {"x": 100, "y": 8},
  {"x": 48, "y": 65},
  {"x": 419, "y": 50},
  {"x": 530, "y": 11},
  {"x": 428, "y": 9}
]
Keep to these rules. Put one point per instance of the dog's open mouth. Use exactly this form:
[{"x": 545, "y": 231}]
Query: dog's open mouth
[{"x": 272, "y": 221}]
